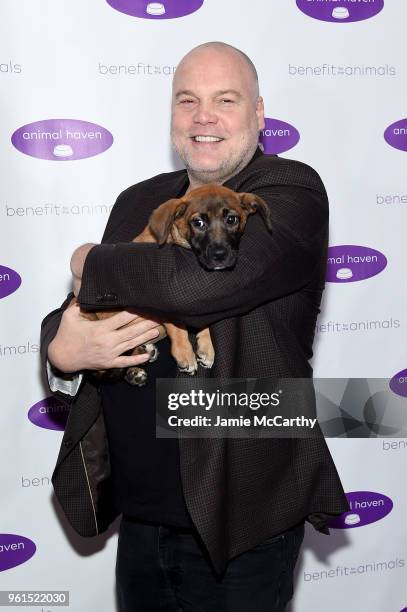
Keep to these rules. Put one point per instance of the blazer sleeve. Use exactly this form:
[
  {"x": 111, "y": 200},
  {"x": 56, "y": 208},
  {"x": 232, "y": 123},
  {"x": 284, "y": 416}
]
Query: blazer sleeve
[
  {"x": 167, "y": 281},
  {"x": 49, "y": 328}
]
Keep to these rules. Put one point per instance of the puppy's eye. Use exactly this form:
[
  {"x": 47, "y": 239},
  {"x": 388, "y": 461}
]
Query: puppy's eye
[
  {"x": 198, "y": 223},
  {"x": 232, "y": 220}
]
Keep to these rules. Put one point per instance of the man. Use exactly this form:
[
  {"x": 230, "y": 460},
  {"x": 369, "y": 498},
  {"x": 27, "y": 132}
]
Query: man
[{"x": 224, "y": 532}]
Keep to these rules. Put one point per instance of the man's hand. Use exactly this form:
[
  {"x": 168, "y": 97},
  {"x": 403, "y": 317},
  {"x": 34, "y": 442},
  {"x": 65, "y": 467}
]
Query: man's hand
[
  {"x": 77, "y": 263},
  {"x": 97, "y": 345}
]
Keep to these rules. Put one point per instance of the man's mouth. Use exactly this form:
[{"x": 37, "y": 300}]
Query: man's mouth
[{"x": 206, "y": 138}]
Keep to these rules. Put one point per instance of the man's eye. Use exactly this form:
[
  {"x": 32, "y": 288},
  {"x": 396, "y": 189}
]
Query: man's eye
[
  {"x": 186, "y": 101},
  {"x": 227, "y": 101},
  {"x": 198, "y": 223},
  {"x": 232, "y": 220}
]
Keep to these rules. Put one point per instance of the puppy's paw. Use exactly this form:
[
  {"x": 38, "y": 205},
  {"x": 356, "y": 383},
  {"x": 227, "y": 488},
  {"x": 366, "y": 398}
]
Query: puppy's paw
[
  {"x": 189, "y": 367},
  {"x": 206, "y": 361},
  {"x": 136, "y": 376},
  {"x": 184, "y": 355},
  {"x": 151, "y": 349},
  {"x": 204, "y": 350}
]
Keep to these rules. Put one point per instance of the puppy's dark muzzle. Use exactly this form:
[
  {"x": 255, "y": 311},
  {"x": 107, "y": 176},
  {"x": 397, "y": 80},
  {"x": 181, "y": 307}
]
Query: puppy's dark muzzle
[{"x": 218, "y": 257}]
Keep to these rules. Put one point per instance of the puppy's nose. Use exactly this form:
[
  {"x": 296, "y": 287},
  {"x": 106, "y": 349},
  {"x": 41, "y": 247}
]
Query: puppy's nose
[{"x": 218, "y": 252}]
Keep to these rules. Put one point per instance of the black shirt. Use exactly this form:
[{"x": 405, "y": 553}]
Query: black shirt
[{"x": 145, "y": 470}]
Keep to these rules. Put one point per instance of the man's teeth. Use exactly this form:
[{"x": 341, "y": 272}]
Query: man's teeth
[{"x": 206, "y": 139}]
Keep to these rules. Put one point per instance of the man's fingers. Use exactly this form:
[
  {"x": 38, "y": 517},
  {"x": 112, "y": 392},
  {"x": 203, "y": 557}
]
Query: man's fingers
[
  {"x": 132, "y": 360},
  {"x": 140, "y": 339},
  {"x": 133, "y": 332},
  {"x": 118, "y": 320}
]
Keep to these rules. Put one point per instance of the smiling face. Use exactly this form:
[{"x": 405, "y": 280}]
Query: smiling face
[{"x": 216, "y": 114}]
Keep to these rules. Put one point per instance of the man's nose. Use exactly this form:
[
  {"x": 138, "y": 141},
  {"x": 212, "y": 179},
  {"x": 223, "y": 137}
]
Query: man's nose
[{"x": 205, "y": 113}]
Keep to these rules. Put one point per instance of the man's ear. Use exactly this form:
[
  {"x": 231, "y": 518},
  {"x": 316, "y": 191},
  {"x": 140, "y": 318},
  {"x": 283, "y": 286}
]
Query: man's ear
[
  {"x": 260, "y": 113},
  {"x": 163, "y": 217},
  {"x": 253, "y": 203}
]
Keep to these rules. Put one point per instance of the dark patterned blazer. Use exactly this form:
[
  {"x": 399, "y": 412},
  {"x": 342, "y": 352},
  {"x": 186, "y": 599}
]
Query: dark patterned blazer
[{"x": 262, "y": 317}]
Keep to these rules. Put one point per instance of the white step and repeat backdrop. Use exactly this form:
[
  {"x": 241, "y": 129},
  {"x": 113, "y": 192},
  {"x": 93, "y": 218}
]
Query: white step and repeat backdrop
[{"x": 85, "y": 113}]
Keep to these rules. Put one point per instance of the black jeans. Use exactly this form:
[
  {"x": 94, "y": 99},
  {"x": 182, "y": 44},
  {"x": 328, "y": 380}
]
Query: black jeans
[{"x": 166, "y": 569}]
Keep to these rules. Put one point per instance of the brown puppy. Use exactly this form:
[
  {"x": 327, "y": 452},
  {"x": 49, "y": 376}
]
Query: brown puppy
[{"x": 210, "y": 220}]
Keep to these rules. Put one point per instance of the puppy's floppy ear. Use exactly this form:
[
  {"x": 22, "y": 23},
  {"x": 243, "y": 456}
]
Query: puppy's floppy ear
[
  {"x": 164, "y": 216},
  {"x": 253, "y": 203}
]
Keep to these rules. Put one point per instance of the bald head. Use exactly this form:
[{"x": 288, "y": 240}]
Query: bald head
[
  {"x": 216, "y": 112},
  {"x": 243, "y": 62}
]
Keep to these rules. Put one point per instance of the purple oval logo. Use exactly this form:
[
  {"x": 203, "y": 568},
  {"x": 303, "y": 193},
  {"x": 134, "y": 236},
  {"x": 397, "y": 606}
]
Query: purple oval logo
[
  {"x": 278, "y": 136},
  {"x": 9, "y": 281},
  {"x": 50, "y": 413},
  {"x": 62, "y": 139},
  {"x": 167, "y": 9},
  {"x": 14, "y": 550},
  {"x": 396, "y": 135},
  {"x": 398, "y": 383},
  {"x": 340, "y": 11},
  {"x": 365, "y": 507},
  {"x": 348, "y": 263}
]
